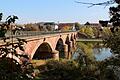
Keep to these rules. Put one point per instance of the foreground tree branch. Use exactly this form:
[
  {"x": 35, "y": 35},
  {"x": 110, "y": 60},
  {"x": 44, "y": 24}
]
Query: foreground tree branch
[{"x": 101, "y": 4}]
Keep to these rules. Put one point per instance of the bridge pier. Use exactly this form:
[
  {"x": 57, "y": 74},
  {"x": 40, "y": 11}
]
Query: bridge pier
[
  {"x": 55, "y": 54},
  {"x": 66, "y": 50},
  {"x": 70, "y": 50},
  {"x": 74, "y": 44}
]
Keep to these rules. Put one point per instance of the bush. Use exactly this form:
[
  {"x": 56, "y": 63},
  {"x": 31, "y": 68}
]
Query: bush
[
  {"x": 113, "y": 42},
  {"x": 2, "y": 32},
  {"x": 59, "y": 70},
  {"x": 10, "y": 69}
]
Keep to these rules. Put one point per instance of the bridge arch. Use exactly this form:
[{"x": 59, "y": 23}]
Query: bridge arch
[
  {"x": 44, "y": 51},
  {"x": 60, "y": 48}
]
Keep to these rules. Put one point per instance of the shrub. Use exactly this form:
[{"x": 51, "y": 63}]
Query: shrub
[
  {"x": 59, "y": 70},
  {"x": 10, "y": 69},
  {"x": 113, "y": 42}
]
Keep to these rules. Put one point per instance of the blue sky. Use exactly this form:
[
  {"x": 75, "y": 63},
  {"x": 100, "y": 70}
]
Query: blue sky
[{"x": 53, "y": 10}]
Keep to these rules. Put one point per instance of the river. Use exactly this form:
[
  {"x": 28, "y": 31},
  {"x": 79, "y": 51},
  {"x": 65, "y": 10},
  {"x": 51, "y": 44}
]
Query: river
[
  {"x": 99, "y": 53},
  {"x": 102, "y": 53}
]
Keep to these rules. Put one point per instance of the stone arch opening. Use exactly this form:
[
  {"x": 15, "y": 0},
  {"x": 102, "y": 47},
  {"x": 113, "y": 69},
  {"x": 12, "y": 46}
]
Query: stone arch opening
[
  {"x": 44, "y": 51},
  {"x": 60, "y": 48}
]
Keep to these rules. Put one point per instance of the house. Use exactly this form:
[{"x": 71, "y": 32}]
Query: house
[
  {"x": 92, "y": 24},
  {"x": 66, "y": 26},
  {"x": 47, "y": 26},
  {"x": 100, "y": 24}
]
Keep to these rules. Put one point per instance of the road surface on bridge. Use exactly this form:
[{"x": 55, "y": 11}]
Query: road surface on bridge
[{"x": 33, "y": 35}]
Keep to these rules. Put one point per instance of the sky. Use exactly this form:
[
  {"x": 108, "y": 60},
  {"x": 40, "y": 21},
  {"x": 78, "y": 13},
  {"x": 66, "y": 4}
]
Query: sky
[{"x": 31, "y": 11}]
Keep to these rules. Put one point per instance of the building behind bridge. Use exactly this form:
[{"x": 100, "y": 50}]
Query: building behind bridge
[
  {"x": 66, "y": 26},
  {"x": 51, "y": 26},
  {"x": 42, "y": 26}
]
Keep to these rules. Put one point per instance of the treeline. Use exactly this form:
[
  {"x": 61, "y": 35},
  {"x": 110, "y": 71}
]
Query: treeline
[{"x": 95, "y": 32}]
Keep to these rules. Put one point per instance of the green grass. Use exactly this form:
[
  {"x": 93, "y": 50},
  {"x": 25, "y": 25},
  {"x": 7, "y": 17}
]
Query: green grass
[{"x": 36, "y": 63}]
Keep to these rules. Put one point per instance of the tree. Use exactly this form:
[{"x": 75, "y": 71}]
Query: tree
[
  {"x": 7, "y": 24},
  {"x": 88, "y": 30},
  {"x": 10, "y": 68},
  {"x": 113, "y": 42},
  {"x": 1, "y": 14},
  {"x": 77, "y": 26},
  {"x": 2, "y": 29},
  {"x": 115, "y": 17},
  {"x": 11, "y": 19},
  {"x": 103, "y": 23},
  {"x": 106, "y": 3}
]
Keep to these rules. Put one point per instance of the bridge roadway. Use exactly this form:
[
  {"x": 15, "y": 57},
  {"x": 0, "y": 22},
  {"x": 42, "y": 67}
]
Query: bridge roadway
[{"x": 32, "y": 35}]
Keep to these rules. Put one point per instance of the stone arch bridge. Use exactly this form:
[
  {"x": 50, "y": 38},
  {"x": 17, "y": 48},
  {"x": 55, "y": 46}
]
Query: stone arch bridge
[{"x": 59, "y": 45}]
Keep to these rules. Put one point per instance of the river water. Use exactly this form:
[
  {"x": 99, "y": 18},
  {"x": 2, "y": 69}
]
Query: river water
[
  {"x": 99, "y": 53},
  {"x": 102, "y": 53}
]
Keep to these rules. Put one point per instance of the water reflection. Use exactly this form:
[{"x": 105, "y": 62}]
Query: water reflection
[
  {"x": 101, "y": 53},
  {"x": 76, "y": 54},
  {"x": 92, "y": 50}
]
